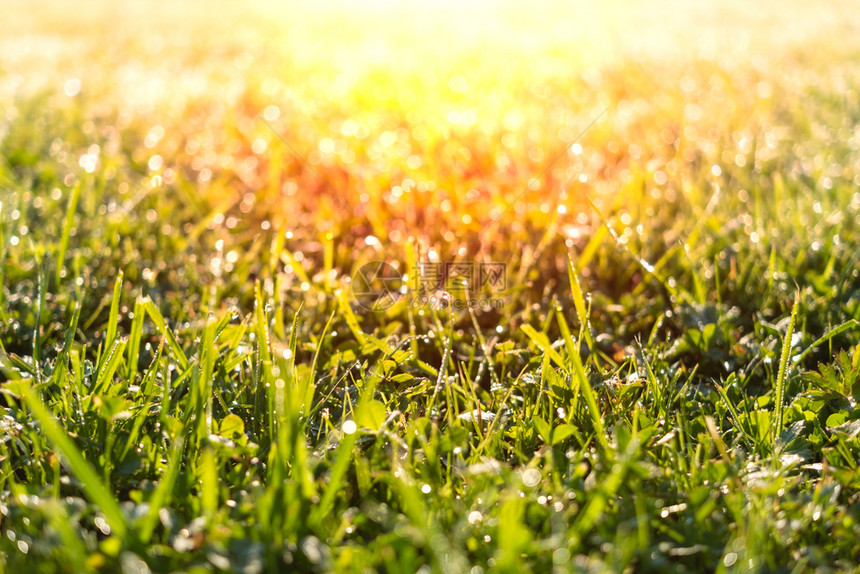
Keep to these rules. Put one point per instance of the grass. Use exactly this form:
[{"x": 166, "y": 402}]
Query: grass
[{"x": 668, "y": 383}]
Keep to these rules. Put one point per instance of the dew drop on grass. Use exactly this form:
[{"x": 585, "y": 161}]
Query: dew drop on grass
[
  {"x": 531, "y": 477},
  {"x": 72, "y": 87},
  {"x": 730, "y": 559},
  {"x": 102, "y": 525}
]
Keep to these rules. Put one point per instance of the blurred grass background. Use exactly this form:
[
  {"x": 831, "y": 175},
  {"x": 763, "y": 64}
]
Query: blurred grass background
[{"x": 176, "y": 286}]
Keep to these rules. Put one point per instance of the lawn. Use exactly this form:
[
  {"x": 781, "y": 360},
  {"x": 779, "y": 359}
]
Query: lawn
[{"x": 451, "y": 287}]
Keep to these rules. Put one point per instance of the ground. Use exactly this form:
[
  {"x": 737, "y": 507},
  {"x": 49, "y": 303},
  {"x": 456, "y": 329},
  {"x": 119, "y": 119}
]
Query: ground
[{"x": 462, "y": 287}]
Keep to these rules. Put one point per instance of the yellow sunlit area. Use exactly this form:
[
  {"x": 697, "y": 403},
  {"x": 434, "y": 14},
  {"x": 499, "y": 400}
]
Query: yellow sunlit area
[{"x": 453, "y": 286}]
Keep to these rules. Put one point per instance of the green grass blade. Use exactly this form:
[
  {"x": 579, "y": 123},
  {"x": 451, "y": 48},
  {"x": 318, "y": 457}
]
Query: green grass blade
[
  {"x": 542, "y": 341},
  {"x": 85, "y": 473},
  {"x": 849, "y": 325},
  {"x": 134, "y": 339},
  {"x": 779, "y": 391},
  {"x": 160, "y": 324},
  {"x": 147, "y": 523},
  {"x": 109, "y": 366},
  {"x": 579, "y": 303},
  {"x": 590, "y": 401},
  {"x": 68, "y": 223}
]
